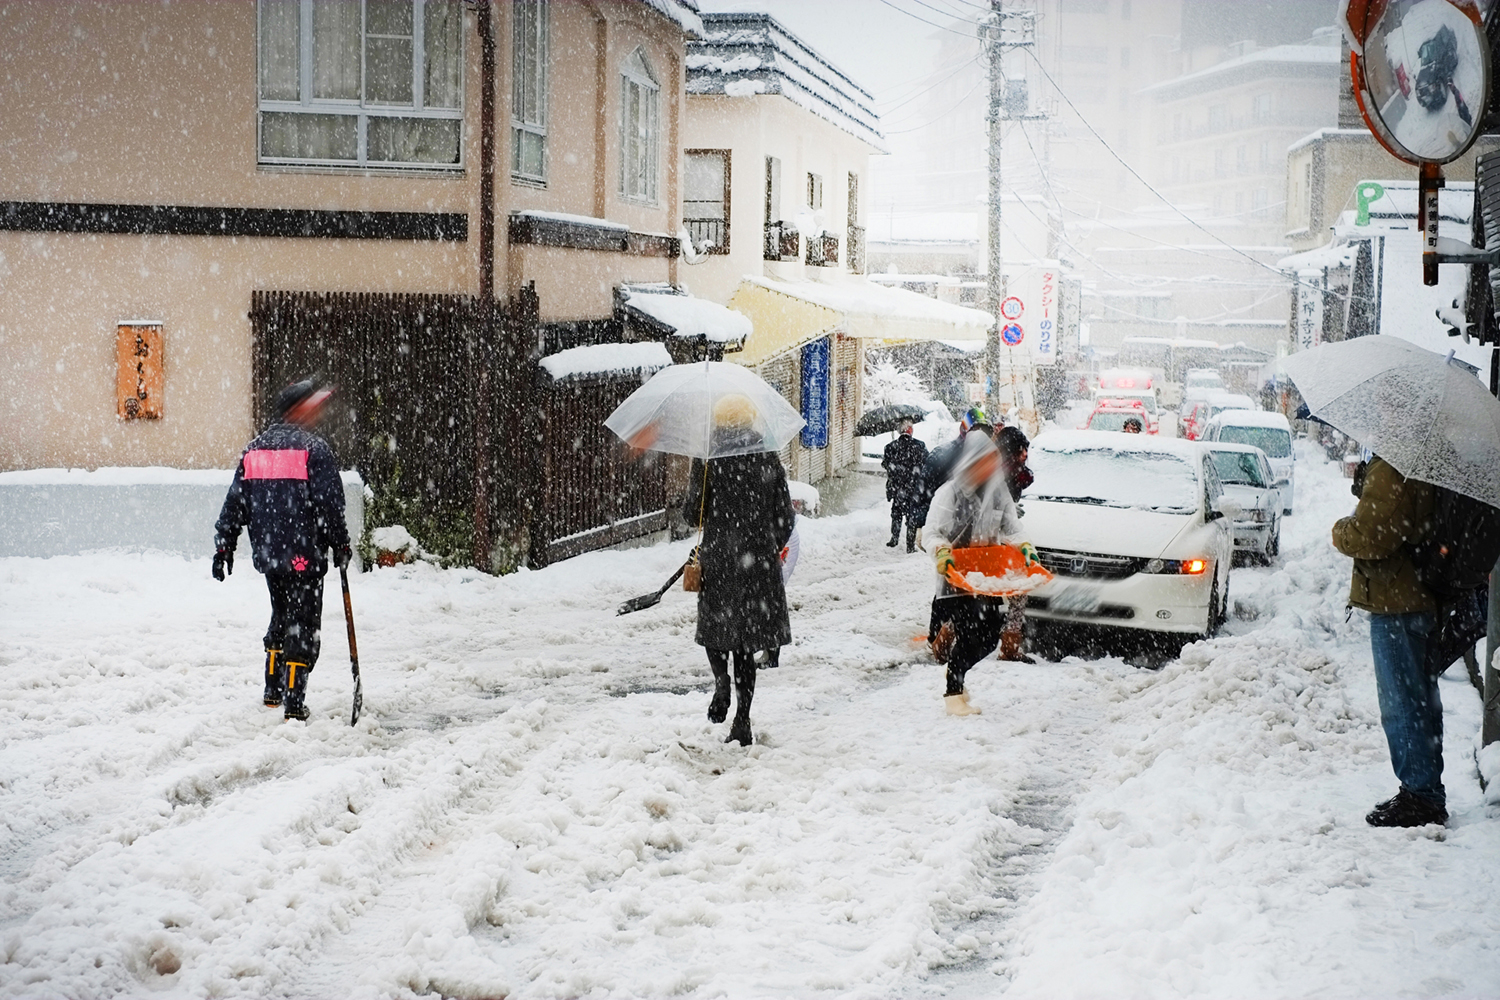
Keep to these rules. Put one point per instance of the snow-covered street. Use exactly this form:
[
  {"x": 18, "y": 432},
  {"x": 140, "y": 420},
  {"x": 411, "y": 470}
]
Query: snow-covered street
[{"x": 534, "y": 804}]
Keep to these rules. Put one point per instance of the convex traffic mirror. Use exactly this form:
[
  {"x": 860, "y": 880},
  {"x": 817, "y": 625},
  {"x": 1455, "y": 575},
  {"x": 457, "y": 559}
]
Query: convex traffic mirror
[{"x": 1421, "y": 74}]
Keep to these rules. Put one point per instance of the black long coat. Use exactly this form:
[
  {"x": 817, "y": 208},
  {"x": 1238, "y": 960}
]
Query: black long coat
[
  {"x": 903, "y": 461},
  {"x": 747, "y": 519}
]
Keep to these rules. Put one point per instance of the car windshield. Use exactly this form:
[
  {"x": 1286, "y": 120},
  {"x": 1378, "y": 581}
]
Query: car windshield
[
  {"x": 1113, "y": 477},
  {"x": 1208, "y": 381},
  {"x": 1239, "y": 467},
  {"x": 1114, "y": 420},
  {"x": 1274, "y": 441}
]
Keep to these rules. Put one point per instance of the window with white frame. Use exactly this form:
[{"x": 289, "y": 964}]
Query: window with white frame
[
  {"x": 528, "y": 102},
  {"x": 363, "y": 83},
  {"x": 640, "y": 129}
]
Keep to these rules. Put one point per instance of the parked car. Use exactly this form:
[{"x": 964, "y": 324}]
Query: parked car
[
  {"x": 1111, "y": 414},
  {"x": 1218, "y": 402},
  {"x": 1200, "y": 383},
  {"x": 1246, "y": 475},
  {"x": 1136, "y": 530},
  {"x": 1193, "y": 418},
  {"x": 1271, "y": 433}
]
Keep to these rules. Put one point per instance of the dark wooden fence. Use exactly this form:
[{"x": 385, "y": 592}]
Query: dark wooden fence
[{"x": 440, "y": 403}]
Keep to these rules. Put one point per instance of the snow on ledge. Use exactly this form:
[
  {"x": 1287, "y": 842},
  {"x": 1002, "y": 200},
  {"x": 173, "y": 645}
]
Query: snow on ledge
[
  {"x": 688, "y": 316},
  {"x": 576, "y": 220},
  {"x": 601, "y": 359},
  {"x": 143, "y": 475}
]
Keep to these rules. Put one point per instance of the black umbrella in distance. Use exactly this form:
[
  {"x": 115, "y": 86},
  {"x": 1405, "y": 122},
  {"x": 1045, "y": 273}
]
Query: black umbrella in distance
[{"x": 884, "y": 419}]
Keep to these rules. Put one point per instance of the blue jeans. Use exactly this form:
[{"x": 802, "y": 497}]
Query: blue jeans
[{"x": 1410, "y": 710}]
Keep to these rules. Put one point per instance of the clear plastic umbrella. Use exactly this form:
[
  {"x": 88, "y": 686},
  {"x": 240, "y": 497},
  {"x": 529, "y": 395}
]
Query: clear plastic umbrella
[
  {"x": 675, "y": 412},
  {"x": 1426, "y": 415}
]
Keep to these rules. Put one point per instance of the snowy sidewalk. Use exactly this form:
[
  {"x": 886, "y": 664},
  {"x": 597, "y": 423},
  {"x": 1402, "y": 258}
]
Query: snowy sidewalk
[{"x": 535, "y": 805}]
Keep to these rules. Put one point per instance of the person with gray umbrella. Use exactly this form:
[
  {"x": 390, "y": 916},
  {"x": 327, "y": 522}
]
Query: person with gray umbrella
[
  {"x": 1435, "y": 432},
  {"x": 903, "y": 462}
]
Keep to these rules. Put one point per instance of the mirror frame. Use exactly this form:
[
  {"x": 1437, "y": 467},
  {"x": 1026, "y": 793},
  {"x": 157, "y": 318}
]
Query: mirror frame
[{"x": 1356, "y": 16}]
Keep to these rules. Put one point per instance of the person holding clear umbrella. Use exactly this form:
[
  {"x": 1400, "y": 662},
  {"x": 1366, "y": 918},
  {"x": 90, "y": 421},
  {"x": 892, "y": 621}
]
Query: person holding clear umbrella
[
  {"x": 745, "y": 508},
  {"x": 732, "y": 422}
]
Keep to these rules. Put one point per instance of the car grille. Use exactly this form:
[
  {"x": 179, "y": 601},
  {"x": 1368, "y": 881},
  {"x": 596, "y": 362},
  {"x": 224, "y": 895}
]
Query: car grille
[
  {"x": 1121, "y": 611},
  {"x": 1089, "y": 565}
]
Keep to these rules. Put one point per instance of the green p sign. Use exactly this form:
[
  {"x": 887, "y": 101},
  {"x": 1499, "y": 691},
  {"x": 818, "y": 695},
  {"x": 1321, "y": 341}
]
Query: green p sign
[{"x": 1364, "y": 195}]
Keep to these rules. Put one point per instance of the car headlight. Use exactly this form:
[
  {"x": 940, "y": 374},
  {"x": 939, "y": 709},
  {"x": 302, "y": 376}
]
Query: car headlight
[{"x": 1188, "y": 567}]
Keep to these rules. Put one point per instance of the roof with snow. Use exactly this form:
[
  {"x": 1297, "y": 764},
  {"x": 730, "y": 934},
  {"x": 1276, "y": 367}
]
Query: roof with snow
[
  {"x": 671, "y": 312},
  {"x": 606, "y": 359},
  {"x": 683, "y": 12},
  {"x": 744, "y": 54},
  {"x": 1281, "y": 60}
]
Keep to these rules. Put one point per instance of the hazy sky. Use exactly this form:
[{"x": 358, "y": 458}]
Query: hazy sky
[{"x": 880, "y": 48}]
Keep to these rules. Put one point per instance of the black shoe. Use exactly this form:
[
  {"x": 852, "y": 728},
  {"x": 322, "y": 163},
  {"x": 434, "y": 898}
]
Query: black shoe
[
  {"x": 718, "y": 708},
  {"x": 891, "y": 544},
  {"x": 1406, "y": 809},
  {"x": 739, "y": 732},
  {"x": 294, "y": 706},
  {"x": 275, "y": 679}
]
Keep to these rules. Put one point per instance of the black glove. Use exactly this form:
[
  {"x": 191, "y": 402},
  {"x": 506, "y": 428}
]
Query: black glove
[
  {"x": 342, "y": 556},
  {"x": 223, "y": 563}
]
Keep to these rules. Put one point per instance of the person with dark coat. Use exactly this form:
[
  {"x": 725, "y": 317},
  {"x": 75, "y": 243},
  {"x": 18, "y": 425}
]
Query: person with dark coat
[
  {"x": 1394, "y": 512},
  {"x": 1014, "y": 448},
  {"x": 903, "y": 461},
  {"x": 288, "y": 493},
  {"x": 746, "y": 512}
]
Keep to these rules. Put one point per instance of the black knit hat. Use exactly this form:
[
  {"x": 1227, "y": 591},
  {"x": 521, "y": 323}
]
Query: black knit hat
[
  {"x": 1013, "y": 440},
  {"x": 295, "y": 394}
]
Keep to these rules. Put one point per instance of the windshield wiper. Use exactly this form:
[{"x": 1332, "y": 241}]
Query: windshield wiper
[{"x": 1093, "y": 500}]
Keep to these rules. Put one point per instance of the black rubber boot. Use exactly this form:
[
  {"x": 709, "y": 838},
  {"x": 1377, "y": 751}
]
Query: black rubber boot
[
  {"x": 275, "y": 679},
  {"x": 718, "y": 707},
  {"x": 296, "y": 690},
  {"x": 744, "y": 693},
  {"x": 1406, "y": 809}
]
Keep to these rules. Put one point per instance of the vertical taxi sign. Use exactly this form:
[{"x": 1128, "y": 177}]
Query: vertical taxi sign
[{"x": 140, "y": 378}]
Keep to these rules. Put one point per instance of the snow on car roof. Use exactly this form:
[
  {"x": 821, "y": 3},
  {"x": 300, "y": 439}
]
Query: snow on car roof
[
  {"x": 1226, "y": 446},
  {"x": 1057, "y": 440},
  {"x": 1252, "y": 418}
]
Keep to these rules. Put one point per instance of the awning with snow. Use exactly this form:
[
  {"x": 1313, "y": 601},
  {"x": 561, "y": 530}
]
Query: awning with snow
[
  {"x": 598, "y": 361},
  {"x": 662, "y": 310},
  {"x": 789, "y": 313}
]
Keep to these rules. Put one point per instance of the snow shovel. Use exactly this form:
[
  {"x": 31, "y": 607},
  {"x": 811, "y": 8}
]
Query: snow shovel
[
  {"x": 647, "y": 600},
  {"x": 359, "y": 688}
]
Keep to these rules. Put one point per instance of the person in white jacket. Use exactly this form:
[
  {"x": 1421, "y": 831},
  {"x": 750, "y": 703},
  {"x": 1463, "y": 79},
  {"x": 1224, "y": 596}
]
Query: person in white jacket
[{"x": 973, "y": 508}]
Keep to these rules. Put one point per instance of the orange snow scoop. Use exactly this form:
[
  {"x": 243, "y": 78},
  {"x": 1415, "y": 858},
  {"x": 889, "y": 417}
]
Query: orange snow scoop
[{"x": 1003, "y": 564}]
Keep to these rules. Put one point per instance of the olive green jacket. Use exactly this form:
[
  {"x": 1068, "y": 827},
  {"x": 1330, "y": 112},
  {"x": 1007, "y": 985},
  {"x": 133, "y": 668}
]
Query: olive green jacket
[{"x": 1393, "y": 512}]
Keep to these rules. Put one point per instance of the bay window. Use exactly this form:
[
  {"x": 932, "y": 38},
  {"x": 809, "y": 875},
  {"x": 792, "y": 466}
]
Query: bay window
[{"x": 362, "y": 83}]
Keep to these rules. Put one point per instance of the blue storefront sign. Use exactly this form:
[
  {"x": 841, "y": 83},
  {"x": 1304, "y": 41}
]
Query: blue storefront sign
[{"x": 816, "y": 366}]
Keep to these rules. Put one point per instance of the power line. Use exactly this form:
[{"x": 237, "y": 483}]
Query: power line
[
  {"x": 930, "y": 24},
  {"x": 955, "y": 107},
  {"x": 926, "y": 90}
]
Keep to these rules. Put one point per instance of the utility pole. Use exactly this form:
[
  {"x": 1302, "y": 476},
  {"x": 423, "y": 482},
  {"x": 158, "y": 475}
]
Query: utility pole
[{"x": 1003, "y": 31}]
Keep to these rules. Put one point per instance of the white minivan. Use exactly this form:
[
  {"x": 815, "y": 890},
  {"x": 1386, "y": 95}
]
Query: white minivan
[{"x": 1269, "y": 432}]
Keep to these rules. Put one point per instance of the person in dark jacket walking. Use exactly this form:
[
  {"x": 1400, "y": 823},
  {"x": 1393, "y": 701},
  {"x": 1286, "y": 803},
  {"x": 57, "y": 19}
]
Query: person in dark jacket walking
[
  {"x": 1394, "y": 512},
  {"x": 903, "y": 461},
  {"x": 746, "y": 512},
  {"x": 288, "y": 493}
]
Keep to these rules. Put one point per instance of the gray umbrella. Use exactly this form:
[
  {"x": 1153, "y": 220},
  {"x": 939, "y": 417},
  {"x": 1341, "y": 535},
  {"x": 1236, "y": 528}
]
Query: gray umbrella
[
  {"x": 884, "y": 419},
  {"x": 1426, "y": 415}
]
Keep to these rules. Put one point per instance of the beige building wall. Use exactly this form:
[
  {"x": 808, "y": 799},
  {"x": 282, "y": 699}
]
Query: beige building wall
[
  {"x": 155, "y": 104},
  {"x": 753, "y": 128}
]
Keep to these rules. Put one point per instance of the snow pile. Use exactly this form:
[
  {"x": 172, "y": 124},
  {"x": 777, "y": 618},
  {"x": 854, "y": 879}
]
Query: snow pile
[
  {"x": 709, "y": 63},
  {"x": 805, "y": 496},
  {"x": 1014, "y": 582},
  {"x": 686, "y": 315},
  {"x": 603, "y": 359},
  {"x": 744, "y": 88}
]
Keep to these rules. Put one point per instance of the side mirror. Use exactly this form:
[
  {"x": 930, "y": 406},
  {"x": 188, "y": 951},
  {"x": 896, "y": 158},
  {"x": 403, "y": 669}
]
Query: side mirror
[{"x": 1225, "y": 506}]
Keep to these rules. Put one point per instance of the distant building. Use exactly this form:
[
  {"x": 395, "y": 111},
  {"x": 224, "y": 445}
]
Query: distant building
[{"x": 777, "y": 146}]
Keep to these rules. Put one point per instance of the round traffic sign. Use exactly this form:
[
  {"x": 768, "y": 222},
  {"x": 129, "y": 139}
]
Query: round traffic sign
[
  {"x": 1012, "y": 307},
  {"x": 1012, "y": 334}
]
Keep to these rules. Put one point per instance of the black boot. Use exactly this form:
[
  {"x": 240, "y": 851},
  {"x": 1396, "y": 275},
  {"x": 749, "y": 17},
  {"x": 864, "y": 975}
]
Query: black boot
[
  {"x": 275, "y": 679},
  {"x": 744, "y": 693},
  {"x": 1406, "y": 809},
  {"x": 718, "y": 707},
  {"x": 296, "y": 690}
]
